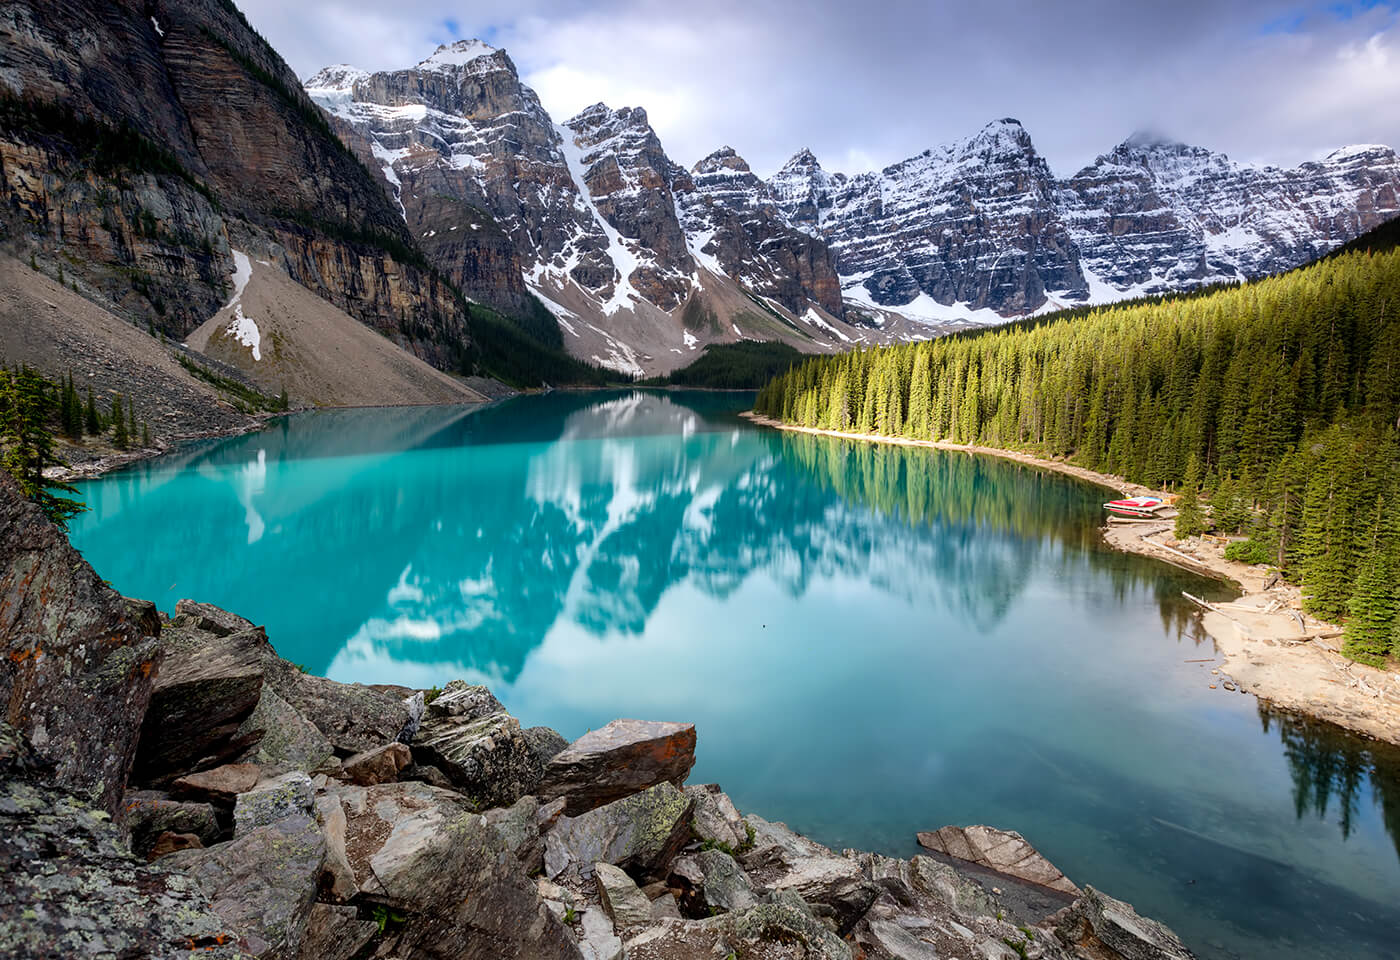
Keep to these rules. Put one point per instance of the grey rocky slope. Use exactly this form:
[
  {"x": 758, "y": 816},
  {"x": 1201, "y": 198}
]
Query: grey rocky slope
[{"x": 275, "y": 814}]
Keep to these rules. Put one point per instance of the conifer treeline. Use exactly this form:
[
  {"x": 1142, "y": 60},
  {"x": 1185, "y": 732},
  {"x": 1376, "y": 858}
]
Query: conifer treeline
[{"x": 1286, "y": 393}]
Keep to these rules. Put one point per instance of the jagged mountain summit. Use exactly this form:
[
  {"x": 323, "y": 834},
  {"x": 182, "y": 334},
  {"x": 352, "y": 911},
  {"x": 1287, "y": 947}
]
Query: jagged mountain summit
[
  {"x": 641, "y": 261},
  {"x": 584, "y": 215},
  {"x": 981, "y": 226}
]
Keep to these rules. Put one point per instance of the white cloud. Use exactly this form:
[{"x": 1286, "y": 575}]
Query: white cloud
[{"x": 865, "y": 85}]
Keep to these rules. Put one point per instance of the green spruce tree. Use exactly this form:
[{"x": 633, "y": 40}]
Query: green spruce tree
[
  {"x": 26, "y": 405},
  {"x": 1189, "y": 520}
]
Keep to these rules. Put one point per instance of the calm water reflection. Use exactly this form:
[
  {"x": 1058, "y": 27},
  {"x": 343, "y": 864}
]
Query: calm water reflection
[{"x": 872, "y": 640}]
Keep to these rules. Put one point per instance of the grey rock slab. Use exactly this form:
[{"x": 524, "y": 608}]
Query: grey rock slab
[
  {"x": 716, "y": 818},
  {"x": 782, "y": 859},
  {"x": 726, "y": 887},
  {"x": 290, "y": 795},
  {"x": 621, "y": 897},
  {"x": 617, "y": 760},
  {"x": 285, "y": 740},
  {"x": 1004, "y": 851},
  {"x": 207, "y": 686},
  {"x": 69, "y": 886},
  {"x": 518, "y": 827},
  {"x": 353, "y": 717},
  {"x": 263, "y": 882},
  {"x": 598, "y": 942},
  {"x": 640, "y": 834}
]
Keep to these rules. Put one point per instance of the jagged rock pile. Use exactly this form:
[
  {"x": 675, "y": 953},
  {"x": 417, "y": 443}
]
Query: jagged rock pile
[{"x": 276, "y": 814}]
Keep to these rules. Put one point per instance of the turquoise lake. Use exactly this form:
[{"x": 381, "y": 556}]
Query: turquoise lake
[{"x": 871, "y": 640}]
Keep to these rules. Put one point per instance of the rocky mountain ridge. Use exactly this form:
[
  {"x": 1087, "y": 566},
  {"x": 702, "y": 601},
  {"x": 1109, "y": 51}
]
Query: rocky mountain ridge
[{"x": 641, "y": 260}]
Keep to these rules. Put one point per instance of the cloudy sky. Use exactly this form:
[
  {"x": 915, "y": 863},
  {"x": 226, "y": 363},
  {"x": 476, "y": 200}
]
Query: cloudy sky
[{"x": 864, "y": 84}]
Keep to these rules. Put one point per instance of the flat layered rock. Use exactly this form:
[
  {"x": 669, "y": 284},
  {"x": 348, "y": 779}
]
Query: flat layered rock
[
  {"x": 618, "y": 760},
  {"x": 221, "y": 785},
  {"x": 640, "y": 834},
  {"x": 621, "y": 897},
  {"x": 1004, "y": 851},
  {"x": 716, "y": 818}
]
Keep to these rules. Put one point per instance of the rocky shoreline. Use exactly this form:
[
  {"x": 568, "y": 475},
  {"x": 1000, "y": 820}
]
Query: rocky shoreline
[
  {"x": 169, "y": 785},
  {"x": 1269, "y": 647}
]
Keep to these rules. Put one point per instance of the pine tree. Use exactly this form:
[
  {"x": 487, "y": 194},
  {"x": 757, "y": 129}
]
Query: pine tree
[
  {"x": 120, "y": 437},
  {"x": 145, "y": 435},
  {"x": 1375, "y": 603},
  {"x": 26, "y": 404},
  {"x": 1189, "y": 520},
  {"x": 92, "y": 419}
]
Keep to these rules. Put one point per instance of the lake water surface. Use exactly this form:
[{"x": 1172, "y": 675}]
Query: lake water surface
[{"x": 871, "y": 640}]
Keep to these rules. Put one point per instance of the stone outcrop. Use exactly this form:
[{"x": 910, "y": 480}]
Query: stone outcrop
[
  {"x": 1096, "y": 925},
  {"x": 1004, "y": 851},
  {"x": 70, "y": 887},
  {"x": 480, "y": 748},
  {"x": 73, "y": 651},
  {"x": 147, "y": 814},
  {"x": 621, "y": 897},
  {"x": 379, "y": 765},
  {"x": 262, "y": 883},
  {"x": 618, "y": 760}
]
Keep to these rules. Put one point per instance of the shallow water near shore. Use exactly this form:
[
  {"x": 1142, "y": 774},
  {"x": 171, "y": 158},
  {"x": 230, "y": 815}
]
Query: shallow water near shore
[{"x": 872, "y": 640}]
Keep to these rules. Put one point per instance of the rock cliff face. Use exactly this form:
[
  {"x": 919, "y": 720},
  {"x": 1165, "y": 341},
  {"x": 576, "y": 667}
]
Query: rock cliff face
[
  {"x": 982, "y": 224},
  {"x": 1154, "y": 216},
  {"x": 973, "y": 222},
  {"x": 736, "y": 228},
  {"x": 590, "y": 215},
  {"x": 137, "y": 137}
]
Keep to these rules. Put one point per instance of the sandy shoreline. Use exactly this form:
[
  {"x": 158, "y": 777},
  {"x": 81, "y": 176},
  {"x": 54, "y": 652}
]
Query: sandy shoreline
[{"x": 1269, "y": 647}]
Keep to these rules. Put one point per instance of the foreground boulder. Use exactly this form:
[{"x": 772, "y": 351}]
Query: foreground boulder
[
  {"x": 640, "y": 834},
  {"x": 69, "y": 887},
  {"x": 352, "y": 717},
  {"x": 1004, "y": 851},
  {"x": 262, "y": 883},
  {"x": 75, "y": 654},
  {"x": 207, "y": 686},
  {"x": 481, "y": 749},
  {"x": 618, "y": 760}
]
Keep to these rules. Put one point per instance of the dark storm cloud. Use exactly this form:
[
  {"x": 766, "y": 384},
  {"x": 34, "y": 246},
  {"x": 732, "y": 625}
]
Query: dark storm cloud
[{"x": 866, "y": 84}]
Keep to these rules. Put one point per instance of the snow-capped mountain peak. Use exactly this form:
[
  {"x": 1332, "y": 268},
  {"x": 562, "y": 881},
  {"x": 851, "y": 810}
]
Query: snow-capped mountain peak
[{"x": 450, "y": 56}]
